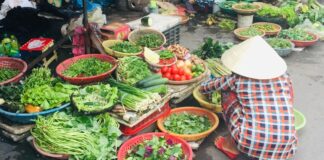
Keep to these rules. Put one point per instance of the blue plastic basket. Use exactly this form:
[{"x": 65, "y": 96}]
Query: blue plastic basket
[{"x": 27, "y": 118}]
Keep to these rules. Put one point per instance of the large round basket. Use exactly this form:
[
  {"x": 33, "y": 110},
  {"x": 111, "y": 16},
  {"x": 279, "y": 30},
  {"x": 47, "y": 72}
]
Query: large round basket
[
  {"x": 275, "y": 31},
  {"x": 200, "y": 77},
  {"x": 202, "y": 100},
  {"x": 13, "y": 63},
  {"x": 85, "y": 80},
  {"x": 277, "y": 20},
  {"x": 129, "y": 144},
  {"x": 28, "y": 118},
  {"x": 109, "y": 43},
  {"x": 191, "y": 110},
  {"x": 136, "y": 34},
  {"x": 238, "y": 10},
  {"x": 46, "y": 154},
  {"x": 299, "y": 43},
  {"x": 243, "y": 38}
]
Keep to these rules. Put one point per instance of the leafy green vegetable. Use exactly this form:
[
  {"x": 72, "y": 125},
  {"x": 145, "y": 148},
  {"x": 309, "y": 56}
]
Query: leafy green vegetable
[
  {"x": 132, "y": 69},
  {"x": 166, "y": 54},
  {"x": 250, "y": 32},
  {"x": 7, "y": 73},
  {"x": 38, "y": 77},
  {"x": 87, "y": 67},
  {"x": 279, "y": 43},
  {"x": 227, "y": 4},
  {"x": 227, "y": 24},
  {"x": 286, "y": 12},
  {"x": 126, "y": 47},
  {"x": 81, "y": 137},
  {"x": 47, "y": 96},
  {"x": 133, "y": 98},
  {"x": 265, "y": 27},
  {"x": 158, "y": 148},
  {"x": 216, "y": 98},
  {"x": 295, "y": 34},
  {"x": 95, "y": 98},
  {"x": 187, "y": 123},
  {"x": 11, "y": 95},
  {"x": 247, "y": 6},
  {"x": 150, "y": 40},
  {"x": 212, "y": 49}
]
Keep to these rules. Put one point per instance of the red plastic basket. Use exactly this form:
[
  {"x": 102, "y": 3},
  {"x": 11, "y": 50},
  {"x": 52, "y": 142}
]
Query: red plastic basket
[
  {"x": 306, "y": 43},
  {"x": 164, "y": 111},
  {"x": 14, "y": 63},
  {"x": 128, "y": 145},
  {"x": 86, "y": 80}
]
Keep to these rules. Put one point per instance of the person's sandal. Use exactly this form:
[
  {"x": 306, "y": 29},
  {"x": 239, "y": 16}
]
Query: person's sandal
[{"x": 219, "y": 141}]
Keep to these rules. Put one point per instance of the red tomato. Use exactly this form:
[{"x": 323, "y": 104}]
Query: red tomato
[
  {"x": 164, "y": 69},
  {"x": 176, "y": 77},
  {"x": 188, "y": 76},
  {"x": 174, "y": 70},
  {"x": 167, "y": 75},
  {"x": 180, "y": 71},
  {"x": 183, "y": 78}
]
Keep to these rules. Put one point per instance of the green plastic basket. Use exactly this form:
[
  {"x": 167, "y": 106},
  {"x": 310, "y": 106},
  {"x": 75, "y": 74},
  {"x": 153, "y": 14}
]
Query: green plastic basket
[{"x": 300, "y": 120}]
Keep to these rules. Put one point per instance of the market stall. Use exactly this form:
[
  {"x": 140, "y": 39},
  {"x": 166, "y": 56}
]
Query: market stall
[{"x": 102, "y": 106}]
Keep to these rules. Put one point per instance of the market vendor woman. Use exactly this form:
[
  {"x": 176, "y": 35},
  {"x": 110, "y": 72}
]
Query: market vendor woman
[{"x": 257, "y": 102}]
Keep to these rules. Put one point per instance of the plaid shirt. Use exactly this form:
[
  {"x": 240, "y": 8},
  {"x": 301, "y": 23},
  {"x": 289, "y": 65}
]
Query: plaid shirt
[{"x": 259, "y": 114}]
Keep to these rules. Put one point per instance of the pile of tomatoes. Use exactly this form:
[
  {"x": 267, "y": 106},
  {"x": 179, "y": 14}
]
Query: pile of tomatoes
[{"x": 174, "y": 73}]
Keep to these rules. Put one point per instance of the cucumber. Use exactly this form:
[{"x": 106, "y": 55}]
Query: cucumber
[
  {"x": 146, "y": 21},
  {"x": 161, "y": 89},
  {"x": 147, "y": 79},
  {"x": 155, "y": 82}
]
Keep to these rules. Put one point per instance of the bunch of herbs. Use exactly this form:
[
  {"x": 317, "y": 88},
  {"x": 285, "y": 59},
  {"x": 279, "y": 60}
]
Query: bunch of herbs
[
  {"x": 187, "y": 123},
  {"x": 295, "y": 34},
  {"x": 126, "y": 47},
  {"x": 166, "y": 54},
  {"x": 87, "y": 67},
  {"x": 212, "y": 49},
  {"x": 7, "y": 73},
  {"x": 279, "y": 43},
  {"x": 150, "y": 40}
]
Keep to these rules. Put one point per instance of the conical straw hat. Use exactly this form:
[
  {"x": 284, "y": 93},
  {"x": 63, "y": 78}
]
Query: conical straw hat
[{"x": 254, "y": 58}]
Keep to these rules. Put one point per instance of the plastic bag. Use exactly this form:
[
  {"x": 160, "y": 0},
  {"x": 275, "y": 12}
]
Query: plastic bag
[{"x": 316, "y": 28}]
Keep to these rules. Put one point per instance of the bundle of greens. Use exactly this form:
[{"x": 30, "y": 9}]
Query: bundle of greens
[
  {"x": 132, "y": 69},
  {"x": 158, "y": 148},
  {"x": 212, "y": 49},
  {"x": 216, "y": 98},
  {"x": 295, "y": 34},
  {"x": 150, "y": 40},
  {"x": 11, "y": 94},
  {"x": 87, "y": 67},
  {"x": 47, "y": 96},
  {"x": 126, "y": 47},
  {"x": 95, "y": 98},
  {"x": 81, "y": 137},
  {"x": 7, "y": 73},
  {"x": 279, "y": 43},
  {"x": 187, "y": 123},
  {"x": 264, "y": 27},
  {"x": 216, "y": 67},
  {"x": 135, "y": 99},
  {"x": 166, "y": 54},
  {"x": 250, "y": 32},
  {"x": 39, "y": 89}
]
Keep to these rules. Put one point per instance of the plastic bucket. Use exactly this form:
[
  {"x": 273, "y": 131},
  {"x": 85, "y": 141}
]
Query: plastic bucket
[{"x": 244, "y": 20}]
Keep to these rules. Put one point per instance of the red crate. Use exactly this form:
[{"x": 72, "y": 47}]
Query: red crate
[{"x": 164, "y": 111}]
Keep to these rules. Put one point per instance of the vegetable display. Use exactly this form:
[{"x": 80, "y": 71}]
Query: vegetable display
[
  {"x": 216, "y": 98},
  {"x": 135, "y": 99},
  {"x": 156, "y": 148},
  {"x": 95, "y": 98},
  {"x": 131, "y": 70},
  {"x": 250, "y": 32},
  {"x": 87, "y": 67},
  {"x": 279, "y": 43},
  {"x": 150, "y": 40},
  {"x": 7, "y": 73},
  {"x": 185, "y": 123},
  {"x": 216, "y": 67},
  {"x": 227, "y": 24},
  {"x": 295, "y": 34},
  {"x": 212, "y": 49},
  {"x": 154, "y": 83},
  {"x": 81, "y": 137},
  {"x": 228, "y": 4},
  {"x": 10, "y": 95},
  {"x": 166, "y": 57},
  {"x": 246, "y": 6},
  {"x": 126, "y": 47},
  {"x": 265, "y": 27},
  {"x": 47, "y": 96},
  {"x": 41, "y": 92},
  {"x": 287, "y": 12},
  {"x": 180, "y": 51}
]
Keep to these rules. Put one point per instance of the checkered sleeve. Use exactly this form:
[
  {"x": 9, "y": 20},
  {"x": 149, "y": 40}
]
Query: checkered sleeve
[{"x": 220, "y": 83}]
